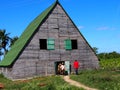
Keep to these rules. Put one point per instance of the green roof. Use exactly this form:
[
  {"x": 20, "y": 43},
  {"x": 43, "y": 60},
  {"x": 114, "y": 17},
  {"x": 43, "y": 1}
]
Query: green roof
[{"x": 20, "y": 44}]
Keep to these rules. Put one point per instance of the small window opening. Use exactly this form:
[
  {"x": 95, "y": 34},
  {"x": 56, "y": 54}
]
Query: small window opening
[
  {"x": 43, "y": 44},
  {"x": 74, "y": 44}
]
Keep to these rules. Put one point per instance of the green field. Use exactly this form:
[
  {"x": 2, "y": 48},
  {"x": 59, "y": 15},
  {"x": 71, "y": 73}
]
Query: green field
[{"x": 100, "y": 79}]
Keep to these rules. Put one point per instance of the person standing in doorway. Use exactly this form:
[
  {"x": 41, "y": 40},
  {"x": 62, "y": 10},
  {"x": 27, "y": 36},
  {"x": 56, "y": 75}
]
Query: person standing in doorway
[
  {"x": 76, "y": 66},
  {"x": 62, "y": 69},
  {"x": 59, "y": 68}
]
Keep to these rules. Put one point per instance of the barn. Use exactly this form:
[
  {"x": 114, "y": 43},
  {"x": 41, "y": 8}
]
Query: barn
[{"x": 51, "y": 38}]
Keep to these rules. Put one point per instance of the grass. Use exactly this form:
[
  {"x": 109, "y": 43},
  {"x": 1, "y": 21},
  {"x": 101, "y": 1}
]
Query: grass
[
  {"x": 106, "y": 78},
  {"x": 100, "y": 79},
  {"x": 40, "y": 83}
]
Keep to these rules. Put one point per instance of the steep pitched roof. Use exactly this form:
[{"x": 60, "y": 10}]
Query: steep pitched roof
[{"x": 20, "y": 44}]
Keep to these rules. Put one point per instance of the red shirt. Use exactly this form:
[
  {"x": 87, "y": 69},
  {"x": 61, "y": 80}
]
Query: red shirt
[{"x": 76, "y": 64}]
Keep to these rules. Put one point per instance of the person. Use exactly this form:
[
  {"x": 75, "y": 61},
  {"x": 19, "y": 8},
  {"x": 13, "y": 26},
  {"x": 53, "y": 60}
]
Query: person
[
  {"x": 62, "y": 69},
  {"x": 59, "y": 68},
  {"x": 76, "y": 66}
]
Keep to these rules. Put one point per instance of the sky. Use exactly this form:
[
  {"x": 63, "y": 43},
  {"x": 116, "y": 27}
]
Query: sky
[{"x": 97, "y": 20}]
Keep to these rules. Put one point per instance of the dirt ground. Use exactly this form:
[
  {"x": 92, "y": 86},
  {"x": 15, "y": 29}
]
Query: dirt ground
[{"x": 77, "y": 84}]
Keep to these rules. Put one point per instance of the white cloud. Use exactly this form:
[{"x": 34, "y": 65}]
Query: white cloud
[
  {"x": 105, "y": 28},
  {"x": 102, "y": 28},
  {"x": 80, "y": 27}
]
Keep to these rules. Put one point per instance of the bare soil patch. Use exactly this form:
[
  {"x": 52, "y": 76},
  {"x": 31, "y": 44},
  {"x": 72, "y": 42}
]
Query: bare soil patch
[{"x": 77, "y": 84}]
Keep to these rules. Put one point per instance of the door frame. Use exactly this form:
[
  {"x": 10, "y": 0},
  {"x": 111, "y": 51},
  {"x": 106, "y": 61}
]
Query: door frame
[{"x": 56, "y": 63}]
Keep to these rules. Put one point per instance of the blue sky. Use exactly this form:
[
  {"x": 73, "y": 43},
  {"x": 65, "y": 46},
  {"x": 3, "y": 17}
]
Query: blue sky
[{"x": 98, "y": 20}]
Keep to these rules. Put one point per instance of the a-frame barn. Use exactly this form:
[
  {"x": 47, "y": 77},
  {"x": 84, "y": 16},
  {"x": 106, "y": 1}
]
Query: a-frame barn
[{"x": 51, "y": 38}]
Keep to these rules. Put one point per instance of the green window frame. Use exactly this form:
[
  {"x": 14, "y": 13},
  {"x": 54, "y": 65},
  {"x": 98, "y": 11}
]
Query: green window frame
[
  {"x": 68, "y": 45},
  {"x": 50, "y": 44}
]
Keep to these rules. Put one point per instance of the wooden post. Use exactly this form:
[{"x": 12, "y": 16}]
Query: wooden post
[{"x": 46, "y": 70}]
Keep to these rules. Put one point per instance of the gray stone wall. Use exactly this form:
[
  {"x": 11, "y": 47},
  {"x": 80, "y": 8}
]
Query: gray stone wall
[{"x": 35, "y": 62}]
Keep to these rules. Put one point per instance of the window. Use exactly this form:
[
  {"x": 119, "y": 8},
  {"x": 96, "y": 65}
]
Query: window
[
  {"x": 50, "y": 44},
  {"x": 74, "y": 44},
  {"x": 43, "y": 44},
  {"x": 70, "y": 44},
  {"x": 47, "y": 44}
]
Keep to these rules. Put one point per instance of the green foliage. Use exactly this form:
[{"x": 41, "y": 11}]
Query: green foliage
[
  {"x": 95, "y": 49},
  {"x": 110, "y": 64},
  {"x": 4, "y": 39},
  {"x": 110, "y": 55},
  {"x": 13, "y": 40},
  {"x": 5, "y": 42}
]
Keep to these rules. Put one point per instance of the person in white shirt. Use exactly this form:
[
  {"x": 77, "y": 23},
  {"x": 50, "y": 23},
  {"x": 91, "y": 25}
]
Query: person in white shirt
[{"x": 62, "y": 69}]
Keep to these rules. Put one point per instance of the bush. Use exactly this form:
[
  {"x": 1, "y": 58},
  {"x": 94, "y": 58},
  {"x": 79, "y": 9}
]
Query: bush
[{"x": 110, "y": 64}]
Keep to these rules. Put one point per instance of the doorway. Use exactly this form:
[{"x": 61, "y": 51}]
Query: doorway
[{"x": 67, "y": 67}]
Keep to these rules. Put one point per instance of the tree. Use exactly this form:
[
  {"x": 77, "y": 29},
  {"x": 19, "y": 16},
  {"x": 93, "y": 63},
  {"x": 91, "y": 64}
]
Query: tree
[
  {"x": 109, "y": 55},
  {"x": 13, "y": 40},
  {"x": 4, "y": 40},
  {"x": 114, "y": 54},
  {"x": 1, "y": 53},
  {"x": 95, "y": 49}
]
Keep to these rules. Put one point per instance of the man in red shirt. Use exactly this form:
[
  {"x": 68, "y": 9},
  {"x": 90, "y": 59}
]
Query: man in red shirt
[{"x": 76, "y": 66}]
